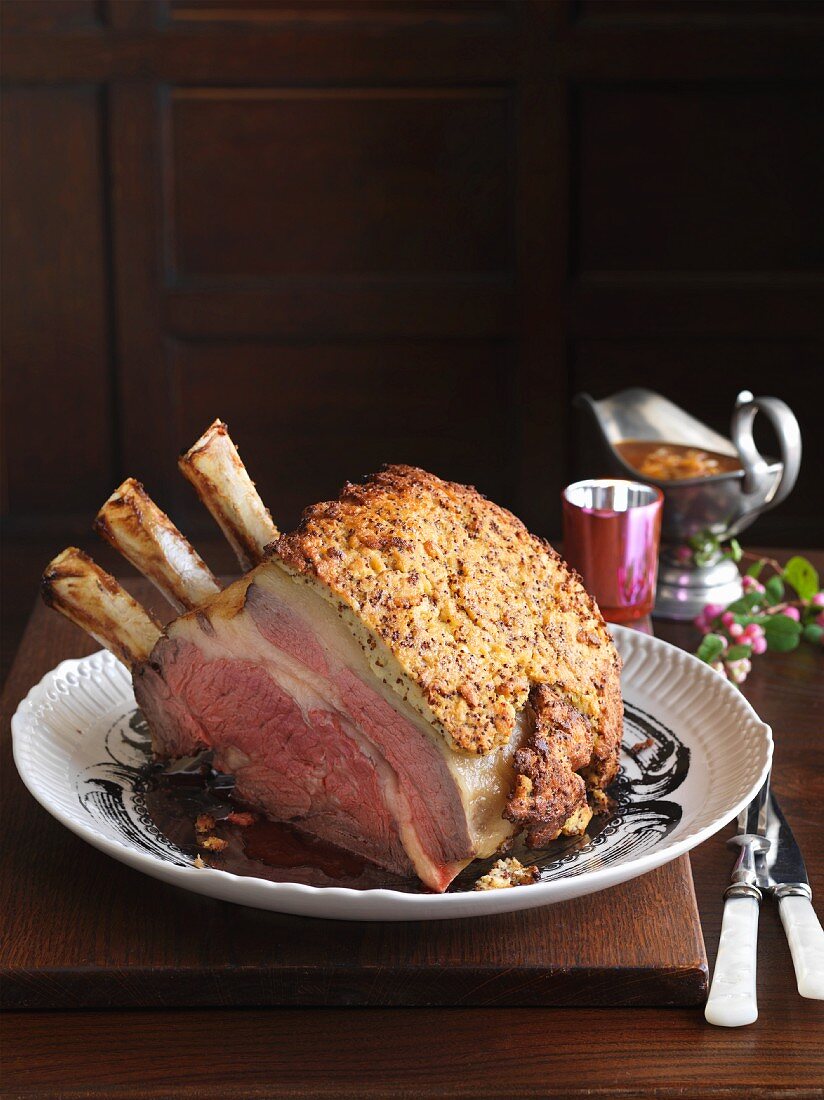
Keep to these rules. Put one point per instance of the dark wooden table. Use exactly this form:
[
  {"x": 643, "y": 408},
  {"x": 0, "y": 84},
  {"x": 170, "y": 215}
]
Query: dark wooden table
[{"x": 496, "y": 1052}]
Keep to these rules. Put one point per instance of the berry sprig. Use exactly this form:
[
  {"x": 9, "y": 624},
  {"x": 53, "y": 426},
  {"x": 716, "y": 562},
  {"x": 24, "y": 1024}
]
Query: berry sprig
[
  {"x": 705, "y": 548},
  {"x": 779, "y": 614}
]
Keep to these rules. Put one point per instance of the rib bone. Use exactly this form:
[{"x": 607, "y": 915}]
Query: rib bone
[
  {"x": 220, "y": 479},
  {"x": 91, "y": 598},
  {"x": 132, "y": 522}
]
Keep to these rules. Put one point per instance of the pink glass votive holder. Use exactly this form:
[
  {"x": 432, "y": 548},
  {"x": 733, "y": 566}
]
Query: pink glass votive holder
[{"x": 611, "y": 534}]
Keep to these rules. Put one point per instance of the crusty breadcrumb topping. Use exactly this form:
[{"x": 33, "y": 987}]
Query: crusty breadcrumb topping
[
  {"x": 549, "y": 796},
  {"x": 474, "y": 608},
  {"x": 505, "y": 873},
  {"x": 600, "y": 802},
  {"x": 576, "y": 824}
]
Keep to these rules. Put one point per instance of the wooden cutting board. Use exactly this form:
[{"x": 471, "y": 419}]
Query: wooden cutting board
[{"x": 81, "y": 930}]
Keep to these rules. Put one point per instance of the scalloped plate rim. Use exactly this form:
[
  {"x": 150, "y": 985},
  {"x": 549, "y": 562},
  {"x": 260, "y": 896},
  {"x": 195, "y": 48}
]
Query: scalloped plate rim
[{"x": 344, "y": 903}]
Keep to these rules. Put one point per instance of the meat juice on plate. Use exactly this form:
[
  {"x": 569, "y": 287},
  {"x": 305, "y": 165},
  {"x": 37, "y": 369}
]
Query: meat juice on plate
[
  {"x": 191, "y": 805},
  {"x": 180, "y": 799}
]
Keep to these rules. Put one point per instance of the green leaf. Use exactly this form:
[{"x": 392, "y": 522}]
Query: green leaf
[
  {"x": 782, "y": 624},
  {"x": 734, "y": 550},
  {"x": 774, "y": 590},
  {"x": 738, "y": 652},
  {"x": 705, "y": 547},
  {"x": 711, "y": 648},
  {"x": 803, "y": 577},
  {"x": 813, "y": 633},
  {"x": 704, "y": 540},
  {"x": 782, "y": 633},
  {"x": 756, "y": 568},
  {"x": 745, "y": 620},
  {"x": 745, "y": 604}
]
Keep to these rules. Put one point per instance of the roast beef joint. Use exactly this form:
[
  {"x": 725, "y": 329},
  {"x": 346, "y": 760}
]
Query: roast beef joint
[{"x": 410, "y": 675}]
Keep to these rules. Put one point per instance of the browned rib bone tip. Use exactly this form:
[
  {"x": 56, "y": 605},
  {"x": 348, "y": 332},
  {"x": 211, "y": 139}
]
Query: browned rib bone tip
[
  {"x": 92, "y": 599},
  {"x": 216, "y": 471},
  {"x": 132, "y": 522},
  {"x": 218, "y": 427}
]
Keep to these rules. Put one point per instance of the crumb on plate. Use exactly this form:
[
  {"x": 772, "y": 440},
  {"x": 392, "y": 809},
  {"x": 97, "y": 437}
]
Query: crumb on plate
[
  {"x": 243, "y": 819},
  {"x": 505, "y": 873},
  {"x": 212, "y": 843},
  {"x": 204, "y": 823}
]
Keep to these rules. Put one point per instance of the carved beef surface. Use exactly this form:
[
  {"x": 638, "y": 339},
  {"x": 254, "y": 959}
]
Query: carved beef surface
[{"x": 282, "y": 693}]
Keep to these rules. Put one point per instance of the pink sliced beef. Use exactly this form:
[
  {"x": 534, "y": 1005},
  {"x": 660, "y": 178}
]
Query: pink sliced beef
[{"x": 308, "y": 739}]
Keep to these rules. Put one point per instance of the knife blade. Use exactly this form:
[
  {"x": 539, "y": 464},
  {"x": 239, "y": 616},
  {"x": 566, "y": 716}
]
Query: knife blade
[
  {"x": 732, "y": 1000},
  {"x": 782, "y": 873}
]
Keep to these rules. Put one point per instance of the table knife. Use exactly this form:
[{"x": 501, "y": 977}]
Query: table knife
[
  {"x": 732, "y": 1000},
  {"x": 781, "y": 871}
]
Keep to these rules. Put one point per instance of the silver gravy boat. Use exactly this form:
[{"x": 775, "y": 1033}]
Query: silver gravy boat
[{"x": 723, "y": 504}]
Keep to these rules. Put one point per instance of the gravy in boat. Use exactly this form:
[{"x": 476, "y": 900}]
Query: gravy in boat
[{"x": 673, "y": 461}]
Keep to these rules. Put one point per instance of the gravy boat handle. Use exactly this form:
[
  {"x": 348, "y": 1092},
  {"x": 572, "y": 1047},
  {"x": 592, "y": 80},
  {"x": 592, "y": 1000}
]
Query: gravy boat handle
[{"x": 760, "y": 489}]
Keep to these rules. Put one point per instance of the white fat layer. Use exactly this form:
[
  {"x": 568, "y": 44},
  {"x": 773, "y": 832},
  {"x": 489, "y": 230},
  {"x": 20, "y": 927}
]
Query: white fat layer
[{"x": 482, "y": 782}]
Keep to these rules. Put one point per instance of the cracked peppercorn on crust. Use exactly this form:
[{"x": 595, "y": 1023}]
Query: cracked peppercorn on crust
[{"x": 474, "y": 608}]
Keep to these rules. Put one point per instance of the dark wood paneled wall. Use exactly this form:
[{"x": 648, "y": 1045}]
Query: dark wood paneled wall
[{"x": 399, "y": 230}]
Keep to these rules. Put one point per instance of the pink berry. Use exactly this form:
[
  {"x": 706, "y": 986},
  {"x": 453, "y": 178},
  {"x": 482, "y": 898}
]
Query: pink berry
[
  {"x": 818, "y": 599},
  {"x": 792, "y": 613},
  {"x": 759, "y": 645},
  {"x": 712, "y": 611},
  {"x": 738, "y": 670},
  {"x": 728, "y": 619},
  {"x": 750, "y": 584},
  {"x": 735, "y": 630}
]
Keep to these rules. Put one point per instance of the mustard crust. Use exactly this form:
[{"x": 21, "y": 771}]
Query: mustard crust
[
  {"x": 549, "y": 796},
  {"x": 474, "y": 608}
]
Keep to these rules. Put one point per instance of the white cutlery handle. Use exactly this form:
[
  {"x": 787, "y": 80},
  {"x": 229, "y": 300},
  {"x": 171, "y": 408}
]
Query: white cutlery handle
[
  {"x": 732, "y": 1001},
  {"x": 806, "y": 939}
]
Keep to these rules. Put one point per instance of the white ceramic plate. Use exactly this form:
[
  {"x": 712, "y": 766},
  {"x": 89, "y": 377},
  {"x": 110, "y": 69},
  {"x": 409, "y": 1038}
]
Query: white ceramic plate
[{"x": 694, "y": 753}]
